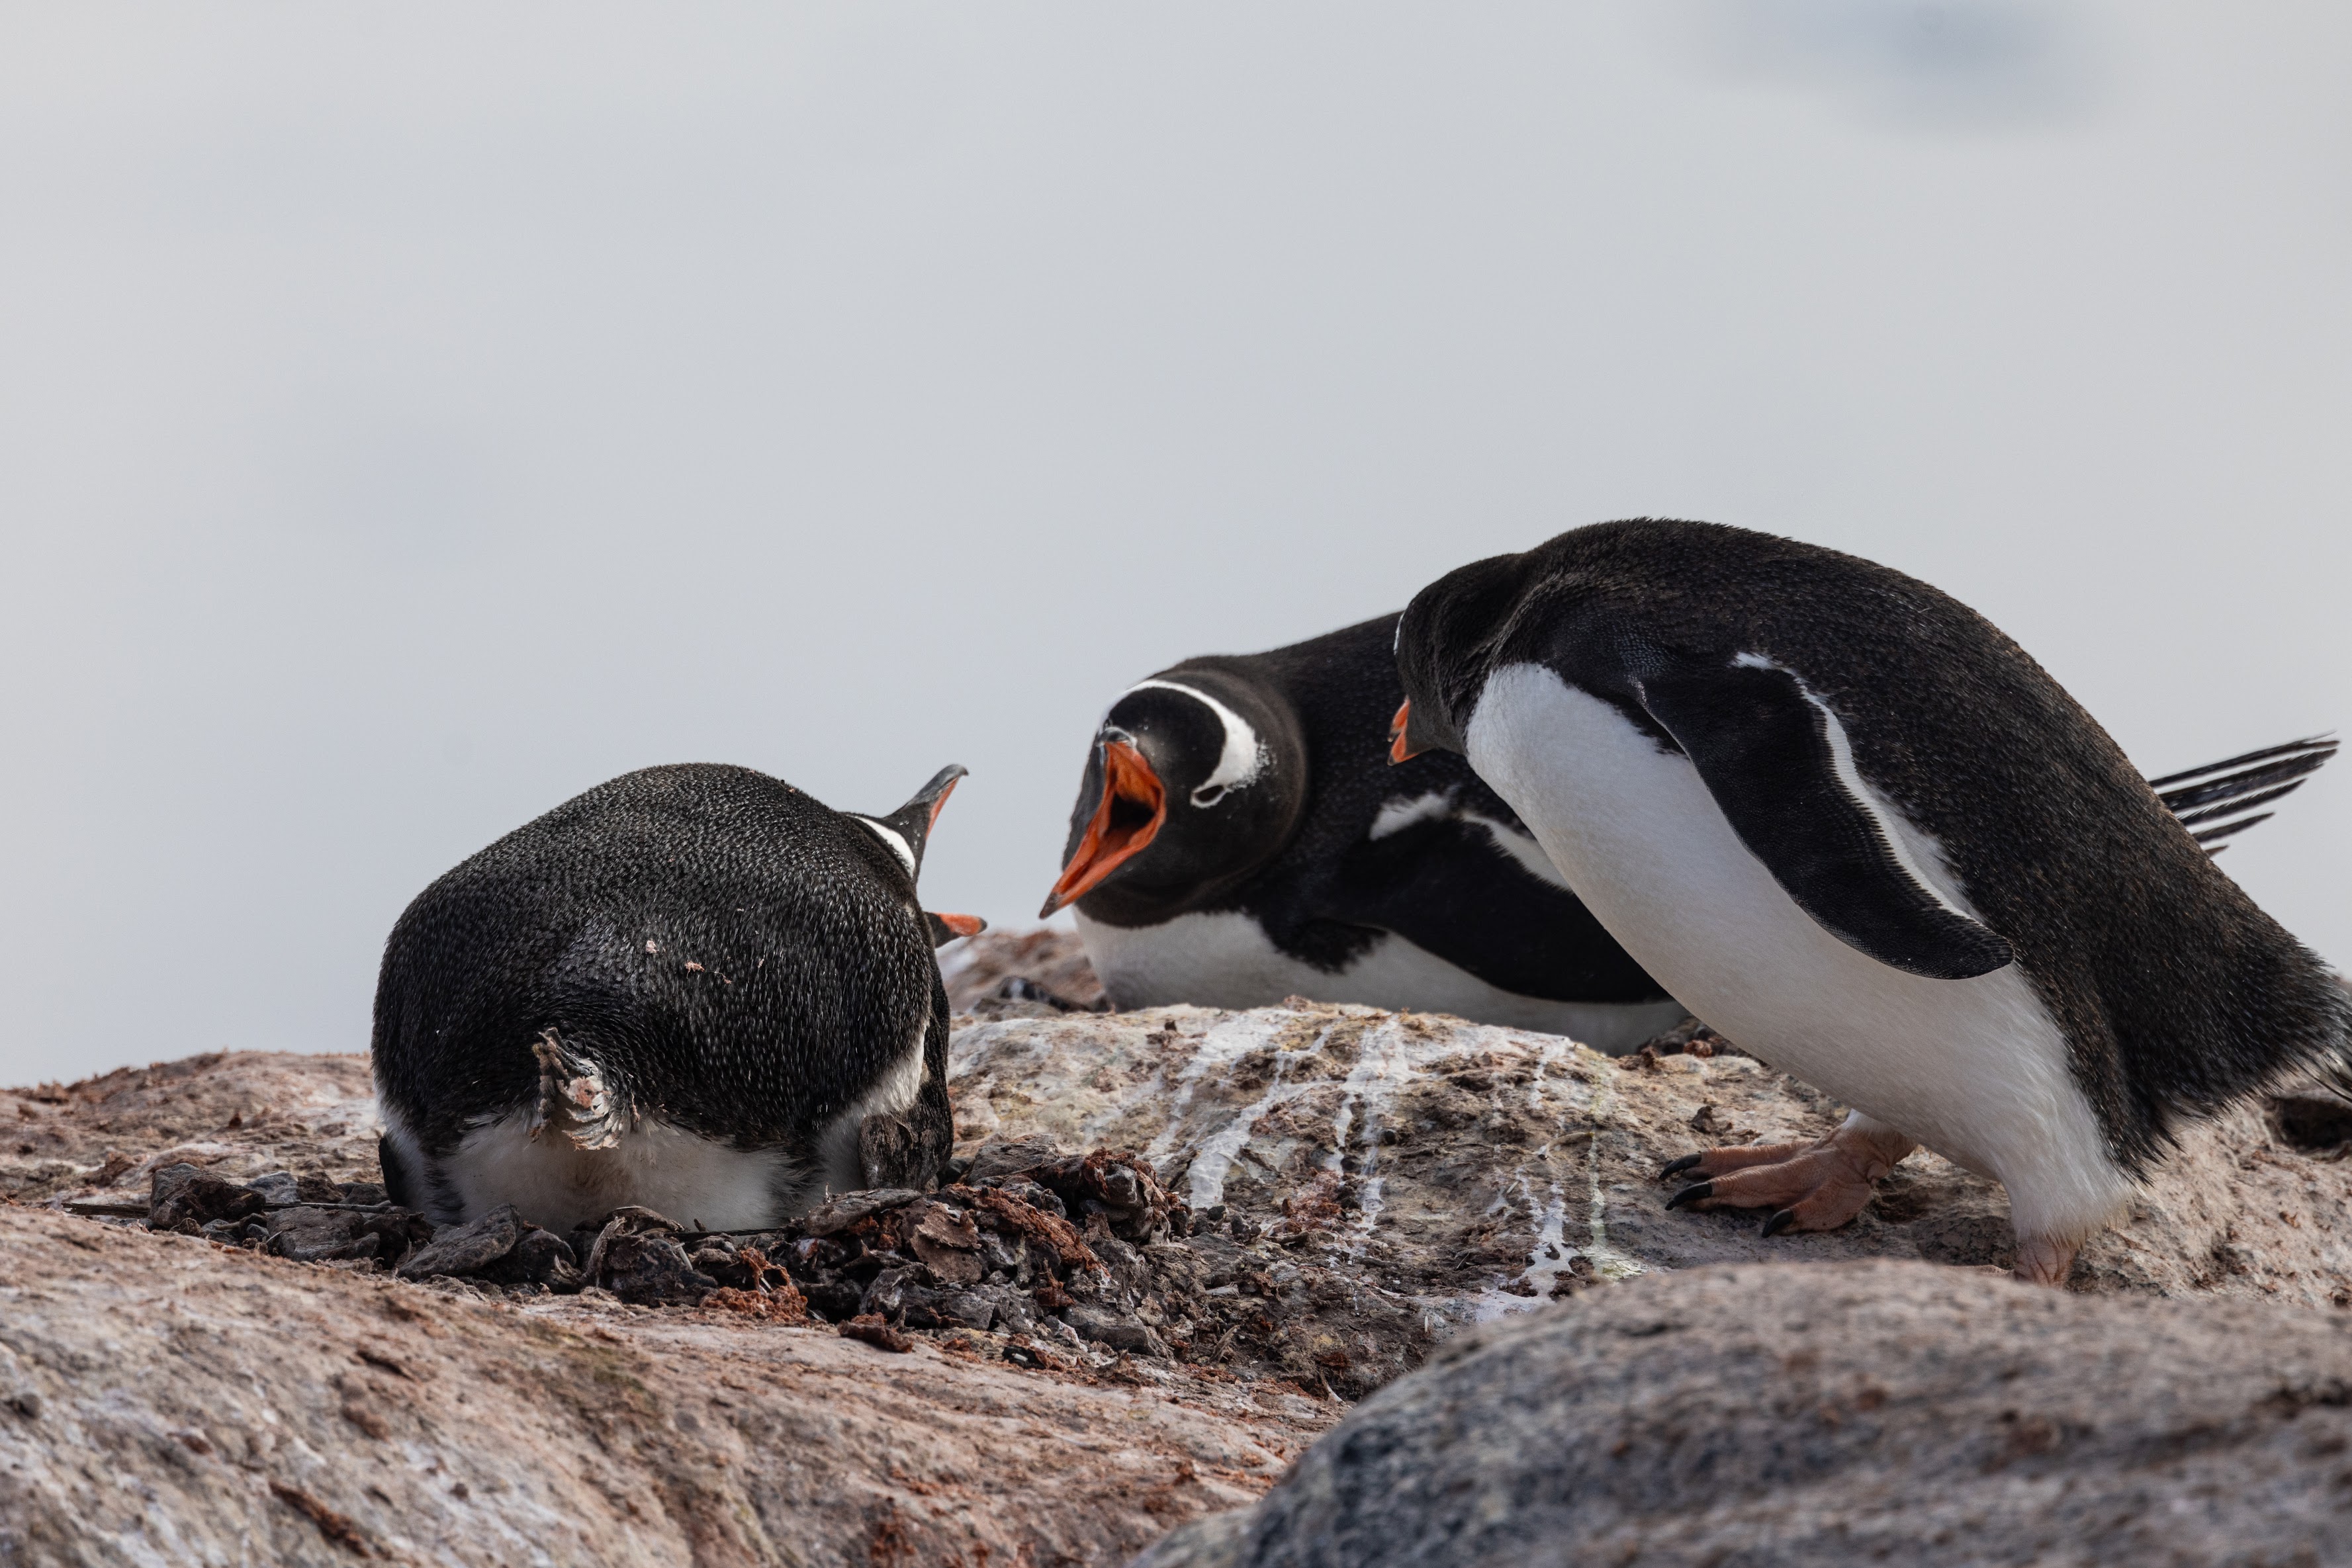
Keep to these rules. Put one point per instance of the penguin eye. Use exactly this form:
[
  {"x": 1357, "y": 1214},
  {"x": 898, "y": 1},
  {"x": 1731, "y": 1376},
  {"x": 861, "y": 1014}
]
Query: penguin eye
[{"x": 1209, "y": 795}]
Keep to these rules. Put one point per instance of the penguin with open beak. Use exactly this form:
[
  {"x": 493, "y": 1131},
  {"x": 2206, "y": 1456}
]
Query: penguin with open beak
[
  {"x": 1238, "y": 838},
  {"x": 694, "y": 989},
  {"x": 1858, "y": 831}
]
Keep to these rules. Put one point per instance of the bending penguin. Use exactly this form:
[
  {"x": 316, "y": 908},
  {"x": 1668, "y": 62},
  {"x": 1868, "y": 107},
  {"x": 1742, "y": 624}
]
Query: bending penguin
[
  {"x": 694, "y": 989},
  {"x": 1239, "y": 838},
  {"x": 1860, "y": 832}
]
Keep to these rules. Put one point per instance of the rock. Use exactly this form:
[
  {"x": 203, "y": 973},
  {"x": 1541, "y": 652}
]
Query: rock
[
  {"x": 1011, "y": 1310},
  {"x": 1452, "y": 1172},
  {"x": 305, "y": 1234},
  {"x": 971, "y": 1309},
  {"x": 651, "y": 1269},
  {"x": 234, "y": 1115},
  {"x": 999, "y": 1157},
  {"x": 186, "y": 1198},
  {"x": 947, "y": 1242},
  {"x": 1343, "y": 1194},
  {"x": 876, "y": 1331},
  {"x": 468, "y": 1249},
  {"x": 169, "y": 1401},
  {"x": 1039, "y": 972},
  {"x": 279, "y": 1189},
  {"x": 1118, "y": 1186},
  {"x": 539, "y": 1258},
  {"x": 1832, "y": 1415},
  {"x": 840, "y": 1213},
  {"x": 1115, "y": 1330},
  {"x": 2313, "y": 1123}
]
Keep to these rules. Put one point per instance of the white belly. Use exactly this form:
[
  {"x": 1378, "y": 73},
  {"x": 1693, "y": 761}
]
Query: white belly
[
  {"x": 1225, "y": 960},
  {"x": 1974, "y": 1069},
  {"x": 701, "y": 1185}
]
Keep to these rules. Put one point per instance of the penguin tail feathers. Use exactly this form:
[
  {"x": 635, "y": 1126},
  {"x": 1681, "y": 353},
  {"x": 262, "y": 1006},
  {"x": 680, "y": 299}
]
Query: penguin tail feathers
[
  {"x": 579, "y": 1102},
  {"x": 2221, "y": 798}
]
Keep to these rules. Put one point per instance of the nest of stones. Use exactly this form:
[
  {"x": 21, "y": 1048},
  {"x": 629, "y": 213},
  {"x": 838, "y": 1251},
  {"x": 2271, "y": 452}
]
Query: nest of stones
[{"x": 1032, "y": 1255}]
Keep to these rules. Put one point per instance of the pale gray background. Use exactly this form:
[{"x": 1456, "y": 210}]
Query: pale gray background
[{"x": 411, "y": 415}]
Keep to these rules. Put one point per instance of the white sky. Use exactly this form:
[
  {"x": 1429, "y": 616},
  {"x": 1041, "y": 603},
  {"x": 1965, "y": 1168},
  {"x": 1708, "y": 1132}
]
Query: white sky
[{"x": 411, "y": 417}]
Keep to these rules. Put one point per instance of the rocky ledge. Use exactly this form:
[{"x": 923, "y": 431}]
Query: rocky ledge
[{"x": 1181, "y": 1244}]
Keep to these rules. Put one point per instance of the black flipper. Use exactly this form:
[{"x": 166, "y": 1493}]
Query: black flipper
[{"x": 1763, "y": 751}]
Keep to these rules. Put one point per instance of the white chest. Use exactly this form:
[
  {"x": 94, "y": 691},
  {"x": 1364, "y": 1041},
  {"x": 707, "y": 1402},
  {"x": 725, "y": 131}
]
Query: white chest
[
  {"x": 1975, "y": 1069},
  {"x": 1225, "y": 960}
]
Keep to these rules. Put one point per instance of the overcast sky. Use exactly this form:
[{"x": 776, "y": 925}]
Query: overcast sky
[{"x": 412, "y": 415}]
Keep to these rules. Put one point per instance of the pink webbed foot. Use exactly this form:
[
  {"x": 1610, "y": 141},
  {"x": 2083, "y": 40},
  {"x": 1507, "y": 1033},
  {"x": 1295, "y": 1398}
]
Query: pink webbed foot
[
  {"x": 1808, "y": 1187},
  {"x": 2045, "y": 1260}
]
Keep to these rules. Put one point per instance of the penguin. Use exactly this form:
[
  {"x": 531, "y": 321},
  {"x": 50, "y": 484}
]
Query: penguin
[
  {"x": 1238, "y": 838},
  {"x": 1860, "y": 832},
  {"x": 694, "y": 989}
]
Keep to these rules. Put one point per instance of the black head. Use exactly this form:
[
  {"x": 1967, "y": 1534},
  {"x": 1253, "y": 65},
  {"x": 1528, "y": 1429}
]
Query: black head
[
  {"x": 1197, "y": 777},
  {"x": 1446, "y": 640},
  {"x": 907, "y": 830}
]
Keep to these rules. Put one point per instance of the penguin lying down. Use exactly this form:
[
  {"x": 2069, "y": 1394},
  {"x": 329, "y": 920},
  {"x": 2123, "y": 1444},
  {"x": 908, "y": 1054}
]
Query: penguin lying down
[
  {"x": 1240, "y": 837},
  {"x": 694, "y": 989},
  {"x": 1860, "y": 831}
]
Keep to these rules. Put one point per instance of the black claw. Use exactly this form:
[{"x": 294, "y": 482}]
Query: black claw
[
  {"x": 1780, "y": 1221},
  {"x": 1692, "y": 1193},
  {"x": 1676, "y": 1167}
]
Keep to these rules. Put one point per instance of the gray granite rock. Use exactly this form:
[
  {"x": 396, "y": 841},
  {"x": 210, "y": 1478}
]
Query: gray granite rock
[{"x": 1833, "y": 1414}]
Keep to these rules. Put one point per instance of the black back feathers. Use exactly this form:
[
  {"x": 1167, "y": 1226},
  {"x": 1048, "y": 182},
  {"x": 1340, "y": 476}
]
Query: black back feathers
[{"x": 739, "y": 959}]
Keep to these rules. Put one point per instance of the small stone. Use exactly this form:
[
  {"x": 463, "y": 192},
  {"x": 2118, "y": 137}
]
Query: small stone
[
  {"x": 946, "y": 1240},
  {"x": 278, "y": 1188},
  {"x": 540, "y": 1258},
  {"x": 184, "y": 1197},
  {"x": 652, "y": 1271},
  {"x": 309, "y": 1234},
  {"x": 970, "y": 1308},
  {"x": 468, "y": 1249},
  {"x": 841, "y": 1213},
  {"x": 876, "y": 1331},
  {"x": 1118, "y": 1332}
]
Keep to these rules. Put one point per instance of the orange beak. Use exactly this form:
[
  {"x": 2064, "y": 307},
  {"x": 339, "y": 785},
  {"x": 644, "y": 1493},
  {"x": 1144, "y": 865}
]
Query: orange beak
[
  {"x": 1134, "y": 804},
  {"x": 1398, "y": 751},
  {"x": 962, "y": 925}
]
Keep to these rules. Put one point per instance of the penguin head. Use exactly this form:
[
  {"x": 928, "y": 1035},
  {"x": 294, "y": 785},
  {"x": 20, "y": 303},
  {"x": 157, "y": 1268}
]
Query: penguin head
[
  {"x": 906, "y": 830},
  {"x": 1446, "y": 643},
  {"x": 1196, "y": 779}
]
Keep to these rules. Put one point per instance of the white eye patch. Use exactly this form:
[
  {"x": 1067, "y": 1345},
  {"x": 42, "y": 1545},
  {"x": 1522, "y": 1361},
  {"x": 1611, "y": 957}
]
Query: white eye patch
[{"x": 1239, "y": 763}]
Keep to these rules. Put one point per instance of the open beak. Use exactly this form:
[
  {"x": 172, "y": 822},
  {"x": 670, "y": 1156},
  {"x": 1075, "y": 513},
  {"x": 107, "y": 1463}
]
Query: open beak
[
  {"x": 1400, "y": 749},
  {"x": 1134, "y": 804}
]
